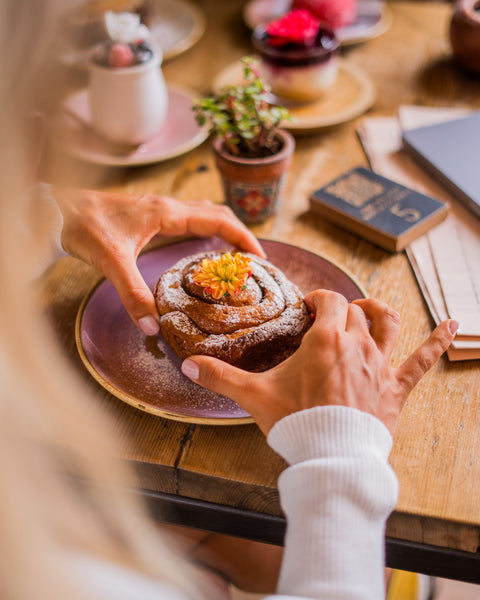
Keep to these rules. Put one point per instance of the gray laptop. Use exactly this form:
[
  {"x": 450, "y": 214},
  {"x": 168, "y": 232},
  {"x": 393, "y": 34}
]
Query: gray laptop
[{"x": 450, "y": 152}]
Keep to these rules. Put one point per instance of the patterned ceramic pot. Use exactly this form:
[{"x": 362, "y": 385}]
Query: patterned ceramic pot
[{"x": 253, "y": 186}]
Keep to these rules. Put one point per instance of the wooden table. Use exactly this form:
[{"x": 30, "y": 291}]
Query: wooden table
[{"x": 224, "y": 478}]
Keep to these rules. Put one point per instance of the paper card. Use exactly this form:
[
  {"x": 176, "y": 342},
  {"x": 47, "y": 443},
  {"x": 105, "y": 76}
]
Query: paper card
[
  {"x": 442, "y": 274},
  {"x": 424, "y": 269},
  {"x": 411, "y": 116},
  {"x": 459, "y": 278},
  {"x": 432, "y": 293}
]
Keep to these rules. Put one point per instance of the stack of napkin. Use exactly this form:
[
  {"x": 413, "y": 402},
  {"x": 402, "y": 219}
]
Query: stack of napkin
[{"x": 446, "y": 259}]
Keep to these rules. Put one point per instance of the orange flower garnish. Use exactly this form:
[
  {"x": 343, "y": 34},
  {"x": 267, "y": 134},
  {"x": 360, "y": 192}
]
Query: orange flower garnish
[{"x": 225, "y": 275}]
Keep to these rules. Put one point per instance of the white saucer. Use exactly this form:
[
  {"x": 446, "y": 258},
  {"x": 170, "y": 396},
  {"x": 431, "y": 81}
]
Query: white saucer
[
  {"x": 178, "y": 26},
  {"x": 373, "y": 18},
  {"x": 179, "y": 134}
]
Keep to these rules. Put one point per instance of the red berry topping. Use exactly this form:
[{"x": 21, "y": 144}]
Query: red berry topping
[
  {"x": 297, "y": 27},
  {"x": 334, "y": 14},
  {"x": 120, "y": 55}
]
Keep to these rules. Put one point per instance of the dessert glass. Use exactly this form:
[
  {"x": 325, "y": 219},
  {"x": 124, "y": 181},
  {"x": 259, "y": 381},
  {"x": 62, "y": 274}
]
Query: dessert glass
[{"x": 296, "y": 72}]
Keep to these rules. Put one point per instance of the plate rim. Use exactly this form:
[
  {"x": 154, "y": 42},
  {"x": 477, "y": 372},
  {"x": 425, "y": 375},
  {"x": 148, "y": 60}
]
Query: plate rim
[
  {"x": 128, "y": 398},
  {"x": 138, "y": 404},
  {"x": 199, "y": 19},
  {"x": 104, "y": 159},
  {"x": 200, "y": 24},
  {"x": 379, "y": 29},
  {"x": 383, "y": 25}
]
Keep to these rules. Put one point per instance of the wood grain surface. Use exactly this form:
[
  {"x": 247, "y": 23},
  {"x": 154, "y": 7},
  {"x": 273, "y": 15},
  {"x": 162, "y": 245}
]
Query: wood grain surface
[{"x": 437, "y": 444}]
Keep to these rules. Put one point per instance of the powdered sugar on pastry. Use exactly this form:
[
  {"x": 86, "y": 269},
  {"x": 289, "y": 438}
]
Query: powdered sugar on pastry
[{"x": 254, "y": 330}]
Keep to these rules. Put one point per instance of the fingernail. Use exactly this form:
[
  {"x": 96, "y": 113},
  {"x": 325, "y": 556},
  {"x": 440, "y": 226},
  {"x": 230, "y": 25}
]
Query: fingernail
[
  {"x": 190, "y": 369},
  {"x": 453, "y": 327},
  {"x": 149, "y": 325}
]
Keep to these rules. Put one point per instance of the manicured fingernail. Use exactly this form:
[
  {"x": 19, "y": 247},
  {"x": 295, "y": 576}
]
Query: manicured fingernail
[
  {"x": 453, "y": 327},
  {"x": 149, "y": 325},
  {"x": 190, "y": 369}
]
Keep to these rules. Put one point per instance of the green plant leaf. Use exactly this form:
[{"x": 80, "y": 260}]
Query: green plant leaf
[{"x": 242, "y": 115}]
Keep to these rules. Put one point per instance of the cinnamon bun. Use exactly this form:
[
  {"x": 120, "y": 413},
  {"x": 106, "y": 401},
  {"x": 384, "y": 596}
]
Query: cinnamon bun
[{"x": 254, "y": 327}]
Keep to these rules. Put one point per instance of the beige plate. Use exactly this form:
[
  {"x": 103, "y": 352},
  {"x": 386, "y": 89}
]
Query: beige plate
[
  {"x": 177, "y": 26},
  {"x": 351, "y": 95}
]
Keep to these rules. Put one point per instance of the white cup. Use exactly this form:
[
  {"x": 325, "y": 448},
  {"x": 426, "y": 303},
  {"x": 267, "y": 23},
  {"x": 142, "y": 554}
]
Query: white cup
[{"x": 129, "y": 104}]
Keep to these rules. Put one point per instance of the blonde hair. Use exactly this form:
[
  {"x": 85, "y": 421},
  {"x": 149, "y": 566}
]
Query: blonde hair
[{"x": 63, "y": 493}]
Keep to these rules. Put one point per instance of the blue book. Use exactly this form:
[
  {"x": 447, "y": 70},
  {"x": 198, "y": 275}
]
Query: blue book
[{"x": 378, "y": 209}]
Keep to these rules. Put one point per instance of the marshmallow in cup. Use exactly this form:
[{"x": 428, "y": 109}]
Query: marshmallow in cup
[{"x": 128, "y": 104}]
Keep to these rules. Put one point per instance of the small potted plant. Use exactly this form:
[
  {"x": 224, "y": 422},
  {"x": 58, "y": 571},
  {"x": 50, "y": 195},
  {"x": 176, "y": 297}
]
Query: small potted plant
[{"x": 252, "y": 152}]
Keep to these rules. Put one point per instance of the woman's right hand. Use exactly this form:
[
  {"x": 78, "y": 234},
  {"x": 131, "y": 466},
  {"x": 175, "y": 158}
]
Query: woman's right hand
[{"x": 344, "y": 359}]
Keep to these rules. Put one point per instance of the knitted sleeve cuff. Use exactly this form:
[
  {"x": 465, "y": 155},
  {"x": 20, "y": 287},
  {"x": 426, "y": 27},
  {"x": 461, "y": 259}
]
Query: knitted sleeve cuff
[{"x": 325, "y": 431}]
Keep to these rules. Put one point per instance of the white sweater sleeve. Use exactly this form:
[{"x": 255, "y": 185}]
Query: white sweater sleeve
[{"x": 337, "y": 494}]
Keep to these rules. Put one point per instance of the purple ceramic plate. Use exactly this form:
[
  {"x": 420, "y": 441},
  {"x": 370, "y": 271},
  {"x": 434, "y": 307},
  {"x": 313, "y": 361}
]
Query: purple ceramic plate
[{"x": 143, "y": 371}]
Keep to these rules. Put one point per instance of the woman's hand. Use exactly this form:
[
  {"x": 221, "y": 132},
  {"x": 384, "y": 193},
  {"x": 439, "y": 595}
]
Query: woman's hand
[
  {"x": 108, "y": 231},
  {"x": 344, "y": 359}
]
